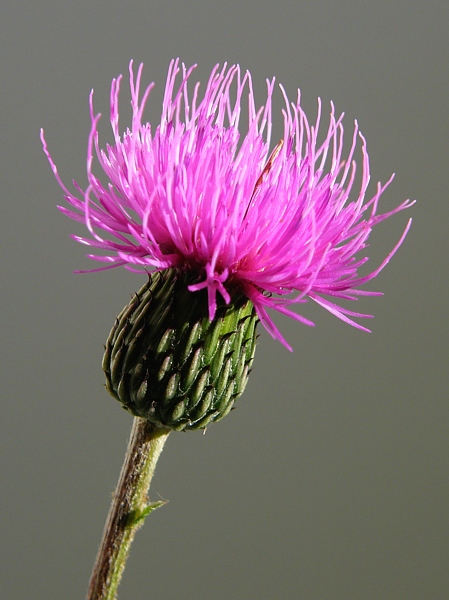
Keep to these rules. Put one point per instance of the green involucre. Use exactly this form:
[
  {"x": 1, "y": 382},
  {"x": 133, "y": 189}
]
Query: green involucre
[{"x": 167, "y": 363}]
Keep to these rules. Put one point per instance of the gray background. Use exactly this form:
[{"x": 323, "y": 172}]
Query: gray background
[{"x": 330, "y": 480}]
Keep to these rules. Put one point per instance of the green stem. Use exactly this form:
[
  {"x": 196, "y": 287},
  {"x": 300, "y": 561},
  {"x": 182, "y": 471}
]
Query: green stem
[{"x": 129, "y": 508}]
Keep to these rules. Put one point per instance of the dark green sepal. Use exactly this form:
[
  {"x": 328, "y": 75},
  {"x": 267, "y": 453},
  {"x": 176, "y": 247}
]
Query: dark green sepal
[{"x": 167, "y": 363}]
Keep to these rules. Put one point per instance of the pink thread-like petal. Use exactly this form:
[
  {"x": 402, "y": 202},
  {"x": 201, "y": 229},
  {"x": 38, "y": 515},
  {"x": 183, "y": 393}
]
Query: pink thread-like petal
[{"x": 199, "y": 192}]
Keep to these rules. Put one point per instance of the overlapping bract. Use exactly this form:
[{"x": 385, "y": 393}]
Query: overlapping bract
[{"x": 196, "y": 194}]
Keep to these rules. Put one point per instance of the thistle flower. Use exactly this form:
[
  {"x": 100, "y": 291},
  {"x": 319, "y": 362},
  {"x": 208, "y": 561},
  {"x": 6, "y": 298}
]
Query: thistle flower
[{"x": 196, "y": 197}]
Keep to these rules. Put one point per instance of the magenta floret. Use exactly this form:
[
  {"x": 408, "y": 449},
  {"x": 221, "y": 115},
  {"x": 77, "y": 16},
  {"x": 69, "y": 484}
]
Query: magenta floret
[{"x": 195, "y": 193}]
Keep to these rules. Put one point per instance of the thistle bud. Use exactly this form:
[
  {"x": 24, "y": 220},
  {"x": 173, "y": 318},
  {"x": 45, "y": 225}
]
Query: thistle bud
[{"x": 166, "y": 362}]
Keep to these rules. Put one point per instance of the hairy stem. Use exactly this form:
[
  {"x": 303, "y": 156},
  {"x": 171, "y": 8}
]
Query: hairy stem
[{"x": 129, "y": 508}]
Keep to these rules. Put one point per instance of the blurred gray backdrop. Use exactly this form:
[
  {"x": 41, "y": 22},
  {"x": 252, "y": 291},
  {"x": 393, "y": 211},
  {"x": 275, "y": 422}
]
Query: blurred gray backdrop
[{"x": 330, "y": 480}]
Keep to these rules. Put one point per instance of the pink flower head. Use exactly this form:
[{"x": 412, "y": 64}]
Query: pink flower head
[{"x": 196, "y": 194}]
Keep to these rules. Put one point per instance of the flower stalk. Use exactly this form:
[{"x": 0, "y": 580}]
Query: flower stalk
[{"x": 129, "y": 508}]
